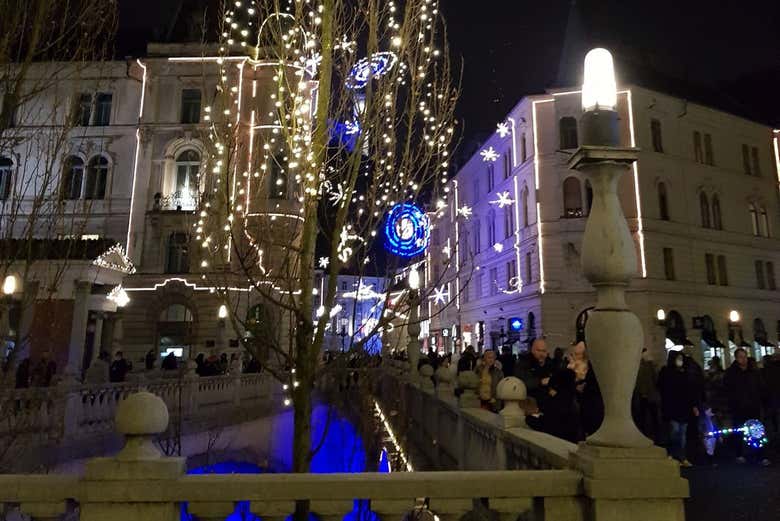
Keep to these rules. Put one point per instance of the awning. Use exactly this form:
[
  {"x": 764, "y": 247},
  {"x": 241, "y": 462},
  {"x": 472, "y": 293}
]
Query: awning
[{"x": 714, "y": 342}]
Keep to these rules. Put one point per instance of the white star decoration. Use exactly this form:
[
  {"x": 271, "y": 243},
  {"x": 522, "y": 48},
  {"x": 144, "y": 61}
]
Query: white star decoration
[
  {"x": 323, "y": 262},
  {"x": 440, "y": 295},
  {"x": 489, "y": 154},
  {"x": 446, "y": 251},
  {"x": 498, "y": 247},
  {"x": 502, "y": 129},
  {"x": 503, "y": 200},
  {"x": 465, "y": 211}
]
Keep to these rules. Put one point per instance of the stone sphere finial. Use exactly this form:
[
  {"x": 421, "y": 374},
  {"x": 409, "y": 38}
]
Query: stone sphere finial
[
  {"x": 140, "y": 417},
  {"x": 426, "y": 371},
  {"x": 444, "y": 375},
  {"x": 511, "y": 389},
  {"x": 468, "y": 380}
]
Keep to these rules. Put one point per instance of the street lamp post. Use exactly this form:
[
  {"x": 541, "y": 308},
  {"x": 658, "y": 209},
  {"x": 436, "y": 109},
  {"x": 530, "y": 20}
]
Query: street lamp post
[
  {"x": 609, "y": 260},
  {"x": 413, "y": 329},
  {"x": 9, "y": 287}
]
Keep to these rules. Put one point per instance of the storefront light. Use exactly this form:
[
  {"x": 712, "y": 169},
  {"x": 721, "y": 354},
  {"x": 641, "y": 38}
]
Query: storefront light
[
  {"x": 9, "y": 285},
  {"x": 660, "y": 315}
]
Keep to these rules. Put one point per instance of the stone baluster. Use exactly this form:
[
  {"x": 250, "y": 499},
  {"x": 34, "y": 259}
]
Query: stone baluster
[
  {"x": 511, "y": 391},
  {"x": 140, "y": 418},
  {"x": 450, "y": 509},
  {"x": 392, "y": 509},
  {"x": 468, "y": 381},
  {"x": 272, "y": 510},
  {"x": 331, "y": 510},
  {"x": 444, "y": 388},
  {"x": 43, "y": 511},
  {"x": 211, "y": 511},
  {"x": 425, "y": 382}
]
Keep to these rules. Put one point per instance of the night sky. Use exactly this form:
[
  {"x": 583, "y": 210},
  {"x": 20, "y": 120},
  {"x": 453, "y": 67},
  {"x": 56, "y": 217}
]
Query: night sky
[{"x": 723, "y": 53}]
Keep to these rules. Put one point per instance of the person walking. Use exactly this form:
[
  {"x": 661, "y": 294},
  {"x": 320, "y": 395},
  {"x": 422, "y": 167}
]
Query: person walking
[
  {"x": 647, "y": 398},
  {"x": 467, "y": 360},
  {"x": 588, "y": 394},
  {"x": 535, "y": 369},
  {"x": 23, "y": 374},
  {"x": 119, "y": 368},
  {"x": 679, "y": 401},
  {"x": 507, "y": 360},
  {"x": 743, "y": 387},
  {"x": 149, "y": 360},
  {"x": 489, "y": 371}
]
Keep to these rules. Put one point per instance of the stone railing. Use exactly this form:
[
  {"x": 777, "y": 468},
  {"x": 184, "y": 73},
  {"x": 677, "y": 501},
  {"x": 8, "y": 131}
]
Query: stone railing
[
  {"x": 76, "y": 416},
  {"x": 140, "y": 484}
]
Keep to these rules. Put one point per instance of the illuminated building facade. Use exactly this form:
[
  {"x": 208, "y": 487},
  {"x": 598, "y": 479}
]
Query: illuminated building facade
[{"x": 701, "y": 204}]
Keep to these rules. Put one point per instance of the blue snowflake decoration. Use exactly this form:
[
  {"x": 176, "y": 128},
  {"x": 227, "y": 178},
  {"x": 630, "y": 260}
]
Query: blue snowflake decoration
[
  {"x": 407, "y": 230},
  {"x": 377, "y": 65}
]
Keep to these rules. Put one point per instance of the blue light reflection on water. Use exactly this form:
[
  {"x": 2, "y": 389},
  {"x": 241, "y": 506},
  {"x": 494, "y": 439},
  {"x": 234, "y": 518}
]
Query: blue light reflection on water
[{"x": 342, "y": 451}]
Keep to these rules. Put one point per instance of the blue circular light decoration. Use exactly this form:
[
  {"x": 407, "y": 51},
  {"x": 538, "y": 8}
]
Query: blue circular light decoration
[
  {"x": 377, "y": 65},
  {"x": 407, "y": 230}
]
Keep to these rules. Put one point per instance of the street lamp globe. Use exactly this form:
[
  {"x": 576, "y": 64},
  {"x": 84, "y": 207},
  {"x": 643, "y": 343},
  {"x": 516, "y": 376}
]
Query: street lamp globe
[
  {"x": 9, "y": 285},
  {"x": 414, "y": 279},
  {"x": 734, "y": 316},
  {"x": 660, "y": 315},
  {"x": 223, "y": 312},
  {"x": 599, "y": 90}
]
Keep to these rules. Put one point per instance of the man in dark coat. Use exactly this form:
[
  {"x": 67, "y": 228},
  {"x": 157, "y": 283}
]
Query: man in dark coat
[
  {"x": 535, "y": 369},
  {"x": 743, "y": 387},
  {"x": 679, "y": 401}
]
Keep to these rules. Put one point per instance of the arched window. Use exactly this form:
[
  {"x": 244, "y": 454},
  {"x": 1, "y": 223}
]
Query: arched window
[
  {"x": 186, "y": 189},
  {"x": 754, "y": 219},
  {"x": 6, "y": 171},
  {"x": 568, "y": 131},
  {"x": 176, "y": 313},
  {"x": 572, "y": 197},
  {"x": 178, "y": 260},
  {"x": 477, "y": 236},
  {"x": 72, "y": 177},
  {"x": 509, "y": 221},
  {"x": 663, "y": 203},
  {"x": 704, "y": 206},
  {"x": 491, "y": 230},
  {"x": 523, "y": 150},
  {"x": 524, "y": 197},
  {"x": 763, "y": 221},
  {"x": 97, "y": 177},
  {"x": 588, "y": 196},
  {"x": 717, "y": 223}
]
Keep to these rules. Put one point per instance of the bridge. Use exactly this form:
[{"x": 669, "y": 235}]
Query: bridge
[{"x": 475, "y": 462}]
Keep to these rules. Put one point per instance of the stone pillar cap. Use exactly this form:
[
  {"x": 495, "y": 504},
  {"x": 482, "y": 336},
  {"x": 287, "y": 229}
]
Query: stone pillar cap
[
  {"x": 511, "y": 388},
  {"x": 142, "y": 414}
]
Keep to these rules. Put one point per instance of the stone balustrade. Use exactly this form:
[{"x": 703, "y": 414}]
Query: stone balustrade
[{"x": 80, "y": 417}]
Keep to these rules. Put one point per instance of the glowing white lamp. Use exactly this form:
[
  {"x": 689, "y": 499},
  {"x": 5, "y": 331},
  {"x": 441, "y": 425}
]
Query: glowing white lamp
[
  {"x": 734, "y": 316},
  {"x": 599, "y": 90},
  {"x": 223, "y": 312},
  {"x": 9, "y": 285},
  {"x": 660, "y": 315},
  {"x": 414, "y": 279},
  {"x": 122, "y": 298}
]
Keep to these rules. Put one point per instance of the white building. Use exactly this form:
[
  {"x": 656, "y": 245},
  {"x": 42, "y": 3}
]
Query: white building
[{"x": 702, "y": 204}]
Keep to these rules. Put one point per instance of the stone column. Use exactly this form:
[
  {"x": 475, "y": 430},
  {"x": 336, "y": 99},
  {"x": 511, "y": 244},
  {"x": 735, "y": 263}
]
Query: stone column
[
  {"x": 109, "y": 329},
  {"x": 78, "y": 331},
  {"x": 98, "y": 337},
  {"x": 413, "y": 331}
]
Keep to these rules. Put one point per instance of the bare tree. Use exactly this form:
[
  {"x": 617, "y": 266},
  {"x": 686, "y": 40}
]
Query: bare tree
[
  {"x": 48, "y": 49},
  {"x": 327, "y": 115}
]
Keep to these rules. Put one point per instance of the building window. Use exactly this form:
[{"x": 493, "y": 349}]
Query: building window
[
  {"x": 528, "y": 268},
  {"x": 572, "y": 197},
  {"x": 770, "y": 276},
  {"x": 190, "y": 106},
  {"x": 480, "y": 285},
  {"x": 102, "y": 109},
  {"x": 708, "y": 154},
  {"x": 474, "y": 191},
  {"x": 760, "y": 282},
  {"x": 343, "y": 286},
  {"x": 756, "y": 162},
  {"x": 704, "y": 206},
  {"x": 709, "y": 262},
  {"x": 494, "y": 281},
  {"x": 466, "y": 293},
  {"x": 83, "y": 110},
  {"x": 698, "y": 156},
  {"x": 491, "y": 228},
  {"x": 568, "y": 131},
  {"x": 6, "y": 171},
  {"x": 507, "y": 164},
  {"x": 178, "y": 253},
  {"x": 72, "y": 177},
  {"x": 588, "y": 196},
  {"x": 491, "y": 178},
  {"x": 669, "y": 264},
  {"x": 509, "y": 221},
  {"x": 717, "y": 222},
  {"x": 185, "y": 195},
  {"x": 97, "y": 178},
  {"x": 723, "y": 274},
  {"x": 523, "y": 150},
  {"x": 763, "y": 221},
  {"x": 663, "y": 202},
  {"x": 277, "y": 188},
  {"x": 754, "y": 219},
  {"x": 524, "y": 196},
  {"x": 655, "y": 132},
  {"x": 477, "y": 235},
  {"x": 511, "y": 275},
  {"x": 746, "y": 160}
]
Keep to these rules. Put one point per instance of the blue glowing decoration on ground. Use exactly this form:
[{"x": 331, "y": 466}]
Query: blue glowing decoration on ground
[
  {"x": 407, "y": 230},
  {"x": 753, "y": 433},
  {"x": 376, "y": 66}
]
